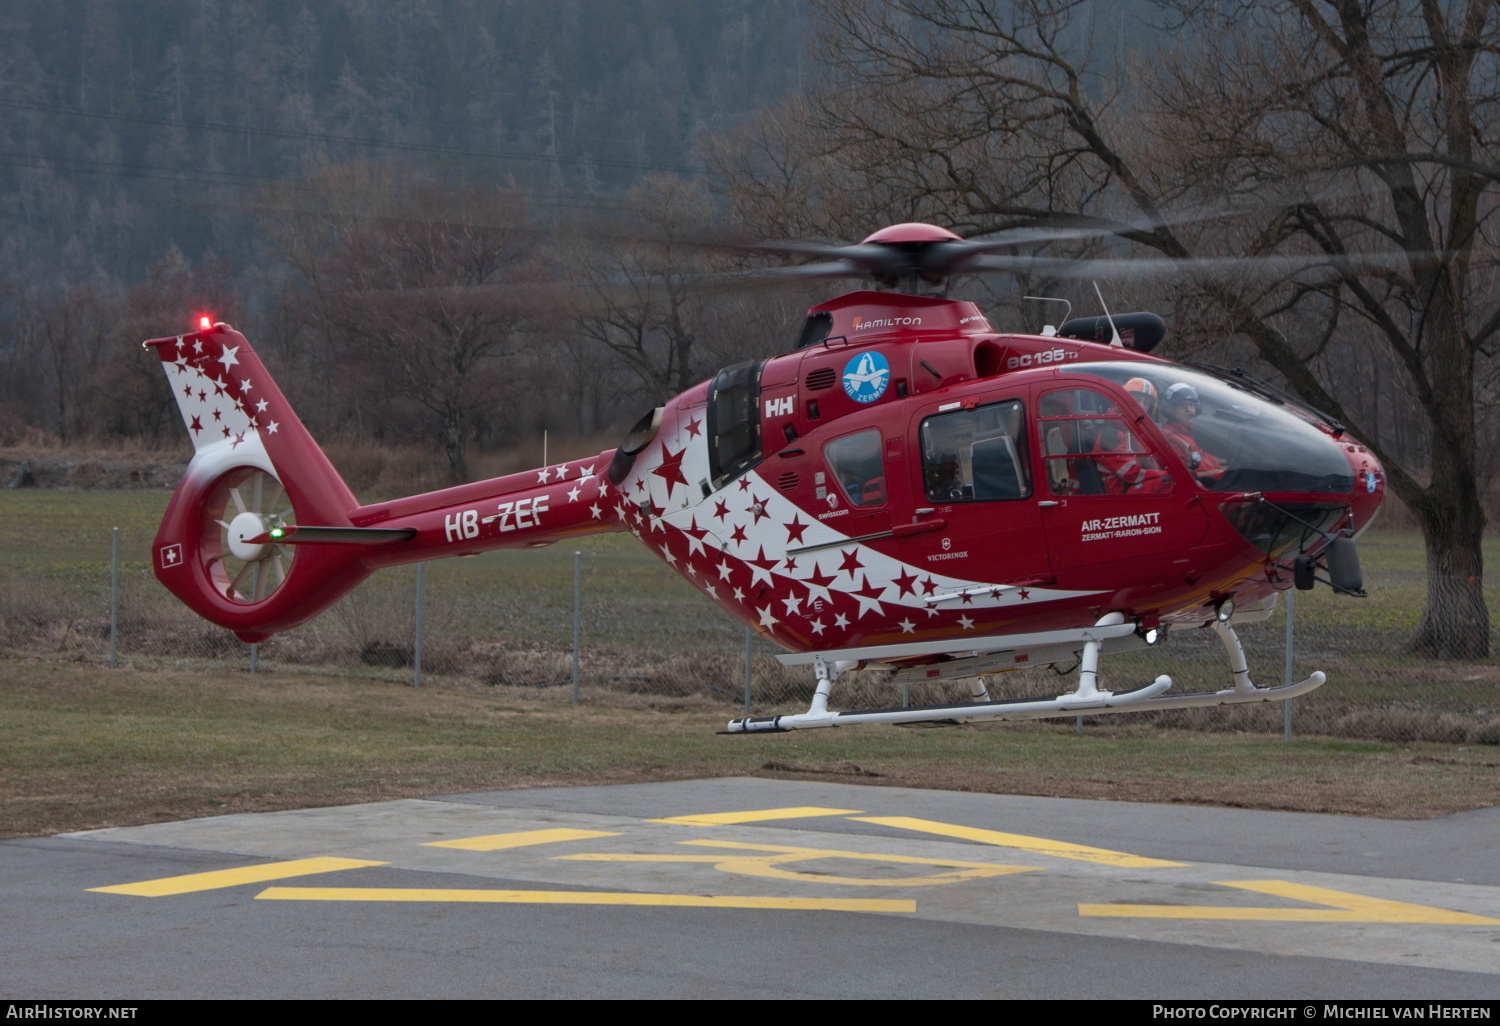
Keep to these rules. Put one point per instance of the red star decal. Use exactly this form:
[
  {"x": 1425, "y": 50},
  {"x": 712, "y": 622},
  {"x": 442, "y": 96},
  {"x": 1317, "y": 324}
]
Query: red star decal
[
  {"x": 966, "y": 598},
  {"x": 670, "y": 470},
  {"x": 1025, "y": 594},
  {"x": 218, "y": 388},
  {"x": 762, "y": 562},
  {"x": 187, "y": 390},
  {"x": 237, "y": 440},
  {"x": 905, "y": 582},
  {"x": 819, "y": 579},
  {"x": 721, "y": 509},
  {"x": 994, "y": 593},
  {"x": 202, "y": 395},
  {"x": 745, "y": 485},
  {"x": 226, "y": 432},
  {"x": 195, "y": 426},
  {"x": 794, "y": 529},
  {"x": 851, "y": 562},
  {"x": 738, "y": 535},
  {"x": 791, "y": 565},
  {"x": 693, "y": 427},
  {"x": 869, "y": 591},
  {"x": 929, "y": 586},
  {"x": 758, "y": 507}
]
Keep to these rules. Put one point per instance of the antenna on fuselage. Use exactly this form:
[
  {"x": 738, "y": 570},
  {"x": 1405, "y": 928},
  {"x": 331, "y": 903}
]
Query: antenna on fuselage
[
  {"x": 1114, "y": 332},
  {"x": 1051, "y": 329}
]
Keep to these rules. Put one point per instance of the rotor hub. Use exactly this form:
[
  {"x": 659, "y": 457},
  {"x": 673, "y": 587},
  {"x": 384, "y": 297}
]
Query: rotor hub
[{"x": 244, "y": 527}]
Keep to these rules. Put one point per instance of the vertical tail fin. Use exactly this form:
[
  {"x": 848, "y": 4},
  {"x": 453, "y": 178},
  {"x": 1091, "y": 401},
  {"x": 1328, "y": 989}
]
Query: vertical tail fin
[{"x": 255, "y": 468}]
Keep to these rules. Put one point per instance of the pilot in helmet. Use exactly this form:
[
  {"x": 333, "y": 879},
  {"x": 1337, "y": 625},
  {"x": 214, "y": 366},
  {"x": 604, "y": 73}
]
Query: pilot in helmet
[{"x": 1180, "y": 405}]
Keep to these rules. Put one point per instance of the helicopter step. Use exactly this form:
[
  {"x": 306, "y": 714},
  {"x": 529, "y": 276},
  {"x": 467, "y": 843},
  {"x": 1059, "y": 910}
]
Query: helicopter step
[{"x": 1086, "y": 699}]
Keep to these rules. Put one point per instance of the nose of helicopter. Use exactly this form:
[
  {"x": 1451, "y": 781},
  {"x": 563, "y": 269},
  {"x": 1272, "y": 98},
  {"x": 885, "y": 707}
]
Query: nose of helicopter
[{"x": 1368, "y": 490}]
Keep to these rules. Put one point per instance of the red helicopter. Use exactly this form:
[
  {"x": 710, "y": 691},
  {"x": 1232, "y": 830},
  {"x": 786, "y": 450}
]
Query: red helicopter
[{"x": 907, "y": 487}]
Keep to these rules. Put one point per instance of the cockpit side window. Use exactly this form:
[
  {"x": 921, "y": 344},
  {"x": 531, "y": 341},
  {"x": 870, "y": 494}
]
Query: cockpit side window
[
  {"x": 857, "y": 468},
  {"x": 1089, "y": 448},
  {"x": 734, "y": 421},
  {"x": 976, "y": 455}
]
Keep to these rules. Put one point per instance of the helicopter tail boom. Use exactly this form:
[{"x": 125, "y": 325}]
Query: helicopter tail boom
[{"x": 262, "y": 534}]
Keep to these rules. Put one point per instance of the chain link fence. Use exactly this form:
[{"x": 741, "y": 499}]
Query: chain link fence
[{"x": 644, "y": 637}]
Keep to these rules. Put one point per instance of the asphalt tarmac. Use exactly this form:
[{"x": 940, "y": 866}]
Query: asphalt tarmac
[{"x": 747, "y": 888}]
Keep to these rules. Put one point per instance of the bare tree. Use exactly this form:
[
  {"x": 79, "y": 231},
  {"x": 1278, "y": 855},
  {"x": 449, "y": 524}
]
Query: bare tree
[
  {"x": 422, "y": 289},
  {"x": 1352, "y": 134},
  {"x": 640, "y": 301}
]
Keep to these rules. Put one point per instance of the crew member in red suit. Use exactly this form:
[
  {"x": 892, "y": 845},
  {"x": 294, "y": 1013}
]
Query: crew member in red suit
[
  {"x": 1123, "y": 468},
  {"x": 1181, "y": 406}
]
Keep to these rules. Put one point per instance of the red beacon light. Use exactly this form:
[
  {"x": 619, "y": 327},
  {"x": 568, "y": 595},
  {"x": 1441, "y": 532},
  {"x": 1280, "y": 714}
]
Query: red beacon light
[{"x": 205, "y": 322}]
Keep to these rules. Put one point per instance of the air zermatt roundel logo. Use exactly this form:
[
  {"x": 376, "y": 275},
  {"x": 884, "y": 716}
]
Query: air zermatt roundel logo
[{"x": 865, "y": 377}]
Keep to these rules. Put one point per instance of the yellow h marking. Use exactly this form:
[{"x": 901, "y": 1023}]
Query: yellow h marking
[
  {"x": 221, "y": 878},
  {"x": 1040, "y": 845},
  {"x": 521, "y": 839},
  {"x": 754, "y": 816},
  {"x": 581, "y": 898},
  {"x": 1345, "y": 908}
]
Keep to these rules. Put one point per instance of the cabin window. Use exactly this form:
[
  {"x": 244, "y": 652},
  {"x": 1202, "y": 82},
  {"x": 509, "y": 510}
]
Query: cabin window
[
  {"x": 1090, "y": 450},
  {"x": 976, "y": 455},
  {"x": 734, "y": 421},
  {"x": 857, "y": 467}
]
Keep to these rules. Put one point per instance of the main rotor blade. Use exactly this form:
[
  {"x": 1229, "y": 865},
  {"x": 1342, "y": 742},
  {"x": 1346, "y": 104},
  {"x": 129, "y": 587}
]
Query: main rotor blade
[{"x": 1275, "y": 265}]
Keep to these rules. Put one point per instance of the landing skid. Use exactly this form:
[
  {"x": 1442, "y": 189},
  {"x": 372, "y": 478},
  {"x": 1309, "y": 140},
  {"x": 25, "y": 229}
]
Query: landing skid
[{"x": 1085, "y": 700}]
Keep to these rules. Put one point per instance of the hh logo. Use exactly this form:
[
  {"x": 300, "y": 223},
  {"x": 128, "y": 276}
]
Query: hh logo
[
  {"x": 171, "y": 555},
  {"x": 779, "y": 407}
]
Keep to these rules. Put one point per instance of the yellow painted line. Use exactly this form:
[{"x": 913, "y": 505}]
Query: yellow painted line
[
  {"x": 1344, "y": 908},
  {"x": 221, "y": 878},
  {"x": 769, "y": 866},
  {"x": 580, "y": 898},
  {"x": 520, "y": 839},
  {"x": 754, "y": 816},
  {"x": 1040, "y": 845}
]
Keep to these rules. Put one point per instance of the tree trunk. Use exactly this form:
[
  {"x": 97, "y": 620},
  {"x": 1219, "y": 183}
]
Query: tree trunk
[{"x": 1455, "y": 621}]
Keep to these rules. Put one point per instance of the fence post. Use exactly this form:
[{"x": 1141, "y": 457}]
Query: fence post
[
  {"x": 114, "y": 593},
  {"x": 749, "y": 636},
  {"x": 577, "y": 615},
  {"x": 254, "y": 657},
  {"x": 416, "y": 648},
  {"x": 1286, "y": 707}
]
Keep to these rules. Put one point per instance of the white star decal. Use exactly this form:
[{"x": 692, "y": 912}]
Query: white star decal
[
  {"x": 792, "y": 605},
  {"x": 965, "y": 623},
  {"x": 245, "y": 385},
  {"x": 710, "y": 589},
  {"x": 197, "y": 344},
  {"x": 573, "y": 493},
  {"x": 817, "y": 626},
  {"x": 666, "y": 554},
  {"x": 840, "y": 620},
  {"x": 739, "y": 596},
  {"x": 543, "y": 476},
  {"x": 271, "y": 430},
  {"x": 562, "y": 471},
  {"x": 724, "y": 570},
  {"x": 227, "y": 357},
  {"x": 767, "y": 619},
  {"x": 261, "y": 406},
  {"x": 907, "y": 627},
  {"x": 594, "y": 509},
  {"x": 586, "y": 472}
]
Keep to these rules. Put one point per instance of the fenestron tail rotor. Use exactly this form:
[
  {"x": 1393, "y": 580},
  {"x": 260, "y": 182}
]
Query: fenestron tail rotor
[{"x": 242, "y": 505}]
